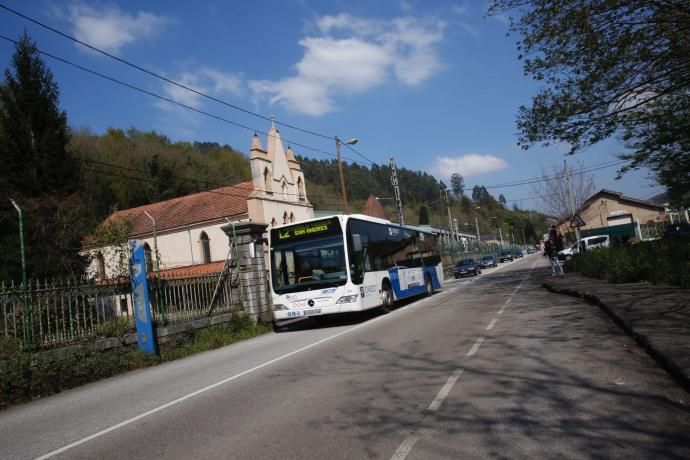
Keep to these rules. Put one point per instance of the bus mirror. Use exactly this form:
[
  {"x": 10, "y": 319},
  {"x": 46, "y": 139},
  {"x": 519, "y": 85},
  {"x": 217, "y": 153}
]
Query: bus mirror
[{"x": 357, "y": 242}]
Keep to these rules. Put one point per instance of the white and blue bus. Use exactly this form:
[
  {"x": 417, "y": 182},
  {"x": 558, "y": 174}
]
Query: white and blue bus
[{"x": 349, "y": 263}]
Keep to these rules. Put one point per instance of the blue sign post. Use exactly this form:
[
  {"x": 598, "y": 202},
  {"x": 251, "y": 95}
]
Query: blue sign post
[{"x": 140, "y": 298}]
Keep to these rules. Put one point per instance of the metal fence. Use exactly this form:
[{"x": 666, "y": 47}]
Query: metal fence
[
  {"x": 61, "y": 313},
  {"x": 652, "y": 231},
  {"x": 58, "y": 313},
  {"x": 184, "y": 299}
]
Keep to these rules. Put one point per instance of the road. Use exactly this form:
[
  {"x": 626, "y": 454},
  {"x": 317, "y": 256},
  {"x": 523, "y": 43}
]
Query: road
[{"x": 489, "y": 367}]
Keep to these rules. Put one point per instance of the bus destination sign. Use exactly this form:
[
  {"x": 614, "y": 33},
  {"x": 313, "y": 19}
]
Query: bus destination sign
[{"x": 309, "y": 229}]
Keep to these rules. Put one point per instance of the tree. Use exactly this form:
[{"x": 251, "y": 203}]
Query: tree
[
  {"x": 553, "y": 193},
  {"x": 37, "y": 172},
  {"x": 609, "y": 68},
  {"x": 423, "y": 215},
  {"x": 457, "y": 184},
  {"x": 502, "y": 200},
  {"x": 33, "y": 129}
]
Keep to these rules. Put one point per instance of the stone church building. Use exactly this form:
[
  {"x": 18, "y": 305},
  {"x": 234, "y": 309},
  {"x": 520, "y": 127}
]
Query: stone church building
[{"x": 188, "y": 229}]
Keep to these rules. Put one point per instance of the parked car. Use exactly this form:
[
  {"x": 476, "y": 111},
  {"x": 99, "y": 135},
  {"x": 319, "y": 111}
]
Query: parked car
[
  {"x": 506, "y": 256},
  {"x": 589, "y": 242},
  {"x": 518, "y": 254},
  {"x": 466, "y": 267},
  {"x": 488, "y": 261}
]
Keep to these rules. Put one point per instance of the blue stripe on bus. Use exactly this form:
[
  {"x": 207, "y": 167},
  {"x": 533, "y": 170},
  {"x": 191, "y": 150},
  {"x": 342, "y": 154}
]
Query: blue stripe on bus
[{"x": 415, "y": 290}]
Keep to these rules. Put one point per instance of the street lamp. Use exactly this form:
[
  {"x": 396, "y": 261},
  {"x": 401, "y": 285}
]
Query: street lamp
[{"x": 346, "y": 207}]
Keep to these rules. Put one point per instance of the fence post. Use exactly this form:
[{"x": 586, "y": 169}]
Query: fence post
[
  {"x": 26, "y": 308},
  {"x": 252, "y": 269}
]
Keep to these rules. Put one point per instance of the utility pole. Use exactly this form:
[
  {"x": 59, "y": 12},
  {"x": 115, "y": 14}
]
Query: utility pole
[
  {"x": 476, "y": 223},
  {"x": 571, "y": 197},
  {"x": 346, "y": 207},
  {"x": 450, "y": 225},
  {"x": 396, "y": 189},
  {"x": 450, "y": 218}
]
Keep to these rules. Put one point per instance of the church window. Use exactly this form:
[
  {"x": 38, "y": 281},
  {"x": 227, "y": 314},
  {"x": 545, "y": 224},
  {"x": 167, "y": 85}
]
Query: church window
[
  {"x": 285, "y": 191},
  {"x": 205, "y": 248},
  {"x": 292, "y": 217},
  {"x": 100, "y": 265},
  {"x": 267, "y": 181},
  {"x": 148, "y": 258},
  {"x": 300, "y": 189},
  {"x": 285, "y": 217}
]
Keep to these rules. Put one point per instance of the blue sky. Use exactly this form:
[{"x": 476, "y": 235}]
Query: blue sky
[{"x": 435, "y": 84}]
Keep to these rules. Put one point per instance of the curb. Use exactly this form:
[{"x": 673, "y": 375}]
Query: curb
[{"x": 666, "y": 362}]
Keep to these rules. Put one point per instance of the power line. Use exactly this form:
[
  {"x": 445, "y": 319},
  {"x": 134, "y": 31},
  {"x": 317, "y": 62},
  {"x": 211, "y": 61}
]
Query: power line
[
  {"x": 173, "y": 82},
  {"x": 158, "y": 96},
  {"x": 555, "y": 177}
]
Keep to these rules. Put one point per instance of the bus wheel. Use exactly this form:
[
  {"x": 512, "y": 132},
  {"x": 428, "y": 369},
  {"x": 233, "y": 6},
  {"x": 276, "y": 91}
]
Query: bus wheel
[
  {"x": 387, "y": 294},
  {"x": 429, "y": 287}
]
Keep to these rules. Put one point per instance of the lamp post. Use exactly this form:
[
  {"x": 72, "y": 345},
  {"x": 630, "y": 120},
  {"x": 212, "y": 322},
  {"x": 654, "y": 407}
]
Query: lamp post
[{"x": 346, "y": 206}]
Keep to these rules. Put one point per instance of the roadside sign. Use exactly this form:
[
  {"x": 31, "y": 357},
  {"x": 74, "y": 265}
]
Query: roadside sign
[
  {"x": 577, "y": 221},
  {"x": 140, "y": 298}
]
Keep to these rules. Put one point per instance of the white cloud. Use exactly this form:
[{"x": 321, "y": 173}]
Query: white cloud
[
  {"x": 352, "y": 55},
  {"x": 471, "y": 164},
  {"x": 205, "y": 80},
  {"x": 109, "y": 28}
]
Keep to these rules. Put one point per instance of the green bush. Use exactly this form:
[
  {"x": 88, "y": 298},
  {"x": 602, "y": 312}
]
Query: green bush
[
  {"x": 25, "y": 376},
  {"x": 665, "y": 261}
]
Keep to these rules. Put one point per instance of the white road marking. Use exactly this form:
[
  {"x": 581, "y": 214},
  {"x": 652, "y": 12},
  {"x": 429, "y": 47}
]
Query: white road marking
[
  {"x": 475, "y": 347},
  {"x": 438, "y": 400},
  {"x": 491, "y": 324},
  {"x": 405, "y": 447},
  {"x": 203, "y": 390}
]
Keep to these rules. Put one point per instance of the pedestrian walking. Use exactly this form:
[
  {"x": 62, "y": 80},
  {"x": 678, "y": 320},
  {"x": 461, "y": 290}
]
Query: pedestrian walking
[{"x": 552, "y": 252}]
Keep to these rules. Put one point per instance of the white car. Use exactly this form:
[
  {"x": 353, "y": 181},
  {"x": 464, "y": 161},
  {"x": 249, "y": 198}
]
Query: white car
[{"x": 590, "y": 242}]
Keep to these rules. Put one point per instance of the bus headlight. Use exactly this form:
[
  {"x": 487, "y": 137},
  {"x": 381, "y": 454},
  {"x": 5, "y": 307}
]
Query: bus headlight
[
  {"x": 279, "y": 306},
  {"x": 347, "y": 299}
]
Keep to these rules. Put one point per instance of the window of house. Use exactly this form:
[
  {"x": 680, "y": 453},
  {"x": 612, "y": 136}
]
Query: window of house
[{"x": 205, "y": 248}]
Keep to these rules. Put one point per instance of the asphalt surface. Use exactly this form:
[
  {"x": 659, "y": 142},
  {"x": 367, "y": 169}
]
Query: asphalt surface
[{"x": 490, "y": 367}]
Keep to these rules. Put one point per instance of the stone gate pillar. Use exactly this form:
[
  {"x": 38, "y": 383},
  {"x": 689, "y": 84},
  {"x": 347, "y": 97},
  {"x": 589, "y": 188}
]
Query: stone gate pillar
[{"x": 254, "y": 290}]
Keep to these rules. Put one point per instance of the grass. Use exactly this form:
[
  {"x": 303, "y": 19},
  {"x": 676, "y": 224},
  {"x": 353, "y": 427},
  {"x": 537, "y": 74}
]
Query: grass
[{"x": 25, "y": 376}]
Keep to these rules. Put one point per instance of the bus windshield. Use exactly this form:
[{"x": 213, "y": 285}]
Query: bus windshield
[{"x": 307, "y": 264}]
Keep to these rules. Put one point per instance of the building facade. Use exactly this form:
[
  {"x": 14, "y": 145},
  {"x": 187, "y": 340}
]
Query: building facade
[{"x": 608, "y": 208}]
